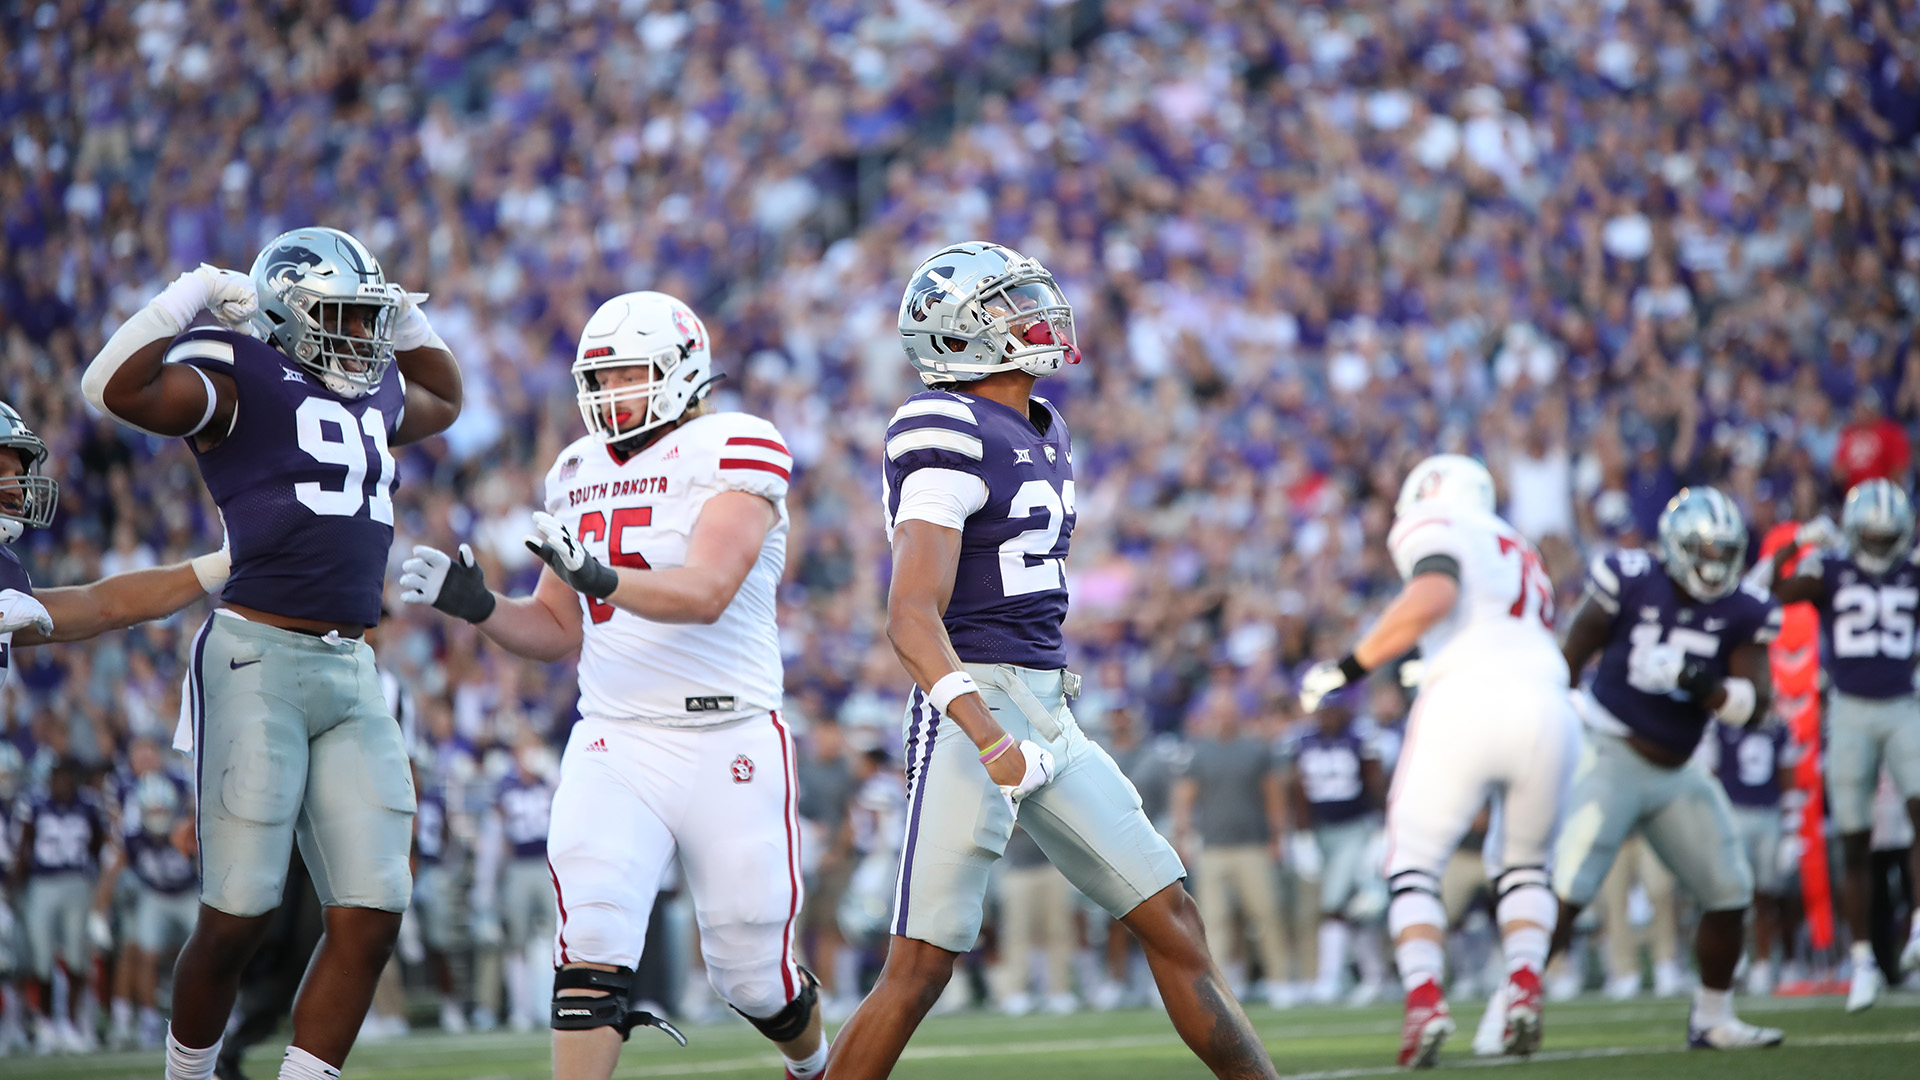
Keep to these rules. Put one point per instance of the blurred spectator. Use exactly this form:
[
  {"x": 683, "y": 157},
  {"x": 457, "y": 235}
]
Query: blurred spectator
[
  {"x": 1872, "y": 446},
  {"x": 1228, "y": 813},
  {"x": 1036, "y": 931}
]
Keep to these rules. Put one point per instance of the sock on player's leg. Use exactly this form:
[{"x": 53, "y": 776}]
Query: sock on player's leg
[
  {"x": 814, "y": 1065},
  {"x": 1526, "y": 946},
  {"x": 300, "y": 1065},
  {"x": 189, "y": 1063},
  {"x": 1334, "y": 935},
  {"x": 1711, "y": 1007},
  {"x": 1419, "y": 960}
]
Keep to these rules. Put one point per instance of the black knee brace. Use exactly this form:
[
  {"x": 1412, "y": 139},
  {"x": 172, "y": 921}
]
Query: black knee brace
[
  {"x": 791, "y": 1022},
  {"x": 576, "y": 1013}
]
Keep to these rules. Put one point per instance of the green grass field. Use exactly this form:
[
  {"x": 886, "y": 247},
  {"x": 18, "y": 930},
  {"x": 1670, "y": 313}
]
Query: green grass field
[{"x": 1587, "y": 1039}]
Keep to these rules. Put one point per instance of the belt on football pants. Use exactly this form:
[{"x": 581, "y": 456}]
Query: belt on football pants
[{"x": 1011, "y": 681}]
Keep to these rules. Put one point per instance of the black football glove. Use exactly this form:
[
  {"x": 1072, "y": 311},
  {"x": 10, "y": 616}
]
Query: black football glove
[
  {"x": 556, "y": 546},
  {"x": 455, "y": 586}
]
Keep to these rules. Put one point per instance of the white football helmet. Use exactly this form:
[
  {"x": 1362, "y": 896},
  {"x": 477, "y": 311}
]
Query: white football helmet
[
  {"x": 1451, "y": 479},
  {"x": 631, "y": 330},
  {"x": 976, "y": 308},
  {"x": 325, "y": 303}
]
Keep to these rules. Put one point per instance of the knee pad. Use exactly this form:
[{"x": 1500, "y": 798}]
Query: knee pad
[
  {"x": 791, "y": 1021},
  {"x": 1415, "y": 902},
  {"x": 1525, "y": 894},
  {"x": 610, "y": 1009}
]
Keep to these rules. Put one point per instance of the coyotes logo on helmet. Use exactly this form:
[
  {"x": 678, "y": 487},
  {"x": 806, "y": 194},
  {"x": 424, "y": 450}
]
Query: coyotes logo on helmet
[
  {"x": 688, "y": 326},
  {"x": 742, "y": 769}
]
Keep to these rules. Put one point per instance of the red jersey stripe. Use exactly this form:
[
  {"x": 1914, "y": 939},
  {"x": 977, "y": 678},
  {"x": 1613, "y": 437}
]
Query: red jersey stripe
[
  {"x": 770, "y": 444},
  {"x": 754, "y": 463}
]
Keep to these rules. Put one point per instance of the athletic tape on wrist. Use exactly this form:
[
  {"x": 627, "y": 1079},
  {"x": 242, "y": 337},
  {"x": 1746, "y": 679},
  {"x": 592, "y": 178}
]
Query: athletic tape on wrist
[
  {"x": 999, "y": 748},
  {"x": 950, "y": 686}
]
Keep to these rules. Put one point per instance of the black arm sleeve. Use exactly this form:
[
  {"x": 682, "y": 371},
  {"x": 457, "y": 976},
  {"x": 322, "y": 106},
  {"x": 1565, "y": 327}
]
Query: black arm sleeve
[{"x": 1437, "y": 564}]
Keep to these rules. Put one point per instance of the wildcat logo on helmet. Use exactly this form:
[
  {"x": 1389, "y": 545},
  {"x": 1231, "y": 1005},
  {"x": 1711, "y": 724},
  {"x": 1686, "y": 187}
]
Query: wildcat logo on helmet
[{"x": 291, "y": 265}]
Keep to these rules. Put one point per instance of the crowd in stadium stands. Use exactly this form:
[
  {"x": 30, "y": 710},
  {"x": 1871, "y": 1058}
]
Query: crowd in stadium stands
[{"x": 1613, "y": 248}]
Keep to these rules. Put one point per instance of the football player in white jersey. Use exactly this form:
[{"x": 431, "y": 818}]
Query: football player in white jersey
[
  {"x": 665, "y": 534},
  {"x": 1494, "y": 716}
]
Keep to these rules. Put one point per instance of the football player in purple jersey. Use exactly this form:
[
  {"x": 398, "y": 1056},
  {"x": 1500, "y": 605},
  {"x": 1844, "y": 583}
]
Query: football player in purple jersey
[
  {"x": 312, "y": 367},
  {"x": 1682, "y": 640},
  {"x": 979, "y": 507},
  {"x": 1866, "y": 590}
]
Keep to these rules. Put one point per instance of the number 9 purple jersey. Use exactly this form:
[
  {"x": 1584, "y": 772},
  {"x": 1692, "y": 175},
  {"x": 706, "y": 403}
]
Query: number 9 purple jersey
[
  {"x": 1009, "y": 592},
  {"x": 304, "y": 482},
  {"x": 1648, "y": 609}
]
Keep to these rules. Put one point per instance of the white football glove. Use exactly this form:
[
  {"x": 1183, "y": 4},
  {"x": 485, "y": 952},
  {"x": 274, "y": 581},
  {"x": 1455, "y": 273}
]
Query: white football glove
[
  {"x": 1038, "y": 775},
  {"x": 18, "y": 611},
  {"x": 410, "y": 327},
  {"x": 1303, "y": 854},
  {"x": 1320, "y": 680},
  {"x": 1655, "y": 669},
  {"x": 1818, "y": 533},
  {"x": 99, "y": 931},
  {"x": 230, "y": 297},
  {"x": 1413, "y": 672},
  {"x": 456, "y": 588}
]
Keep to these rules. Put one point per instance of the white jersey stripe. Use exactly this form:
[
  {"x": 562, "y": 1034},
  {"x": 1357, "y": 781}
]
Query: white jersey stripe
[
  {"x": 934, "y": 407},
  {"x": 201, "y": 349},
  {"x": 935, "y": 439}
]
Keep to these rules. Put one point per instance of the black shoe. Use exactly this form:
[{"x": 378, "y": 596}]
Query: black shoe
[{"x": 227, "y": 1067}]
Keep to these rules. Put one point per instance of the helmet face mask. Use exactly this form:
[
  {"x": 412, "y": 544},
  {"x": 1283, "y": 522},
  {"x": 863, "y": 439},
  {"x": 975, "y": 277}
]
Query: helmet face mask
[
  {"x": 27, "y": 499},
  {"x": 977, "y": 309},
  {"x": 1703, "y": 543},
  {"x": 1877, "y": 520},
  {"x": 325, "y": 303}
]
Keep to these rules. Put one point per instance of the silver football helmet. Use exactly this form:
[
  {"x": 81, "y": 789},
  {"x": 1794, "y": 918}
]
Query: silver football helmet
[
  {"x": 158, "y": 804},
  {"x": 27, "y": 499},
  {"x": 977, "y": 308},
  {"x": 1703, "y": 542},
  {"x": 633, "y": 330},
  {"x": 1877, "y": 521},
  {"x": 325, "y": 303}
]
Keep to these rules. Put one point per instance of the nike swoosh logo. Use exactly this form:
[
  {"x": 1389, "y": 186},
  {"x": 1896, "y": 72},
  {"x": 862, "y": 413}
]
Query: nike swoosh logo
[{"x": 238, "y": 664}]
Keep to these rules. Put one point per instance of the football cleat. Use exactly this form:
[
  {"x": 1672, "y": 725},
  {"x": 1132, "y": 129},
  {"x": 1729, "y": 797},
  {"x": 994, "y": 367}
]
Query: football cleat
[
  {"x": 1910, "y": 956},
  {"x": 1732, "y": 1034},
  {"x": 1489, "y": 1039},
  {"x": 1866, "y": 986},
  {"x": 1524, "y": 1001},
  {"x": 1426, "y": 1027}
]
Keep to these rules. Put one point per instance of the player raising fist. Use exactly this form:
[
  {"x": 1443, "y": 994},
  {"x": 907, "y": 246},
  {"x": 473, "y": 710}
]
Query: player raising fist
[
  {"x": 288, "y": 725},
  {"x": 664, "y": 535}
]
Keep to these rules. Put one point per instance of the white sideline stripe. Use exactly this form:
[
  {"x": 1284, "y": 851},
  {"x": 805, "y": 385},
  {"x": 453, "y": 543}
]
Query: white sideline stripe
[{"x": 1139, "y": 1042}]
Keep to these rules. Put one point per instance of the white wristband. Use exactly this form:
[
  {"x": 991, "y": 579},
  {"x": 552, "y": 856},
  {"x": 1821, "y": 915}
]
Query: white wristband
[
  {"x": 1737, "y": 709},
  {"x": 950, "y": 686}
]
